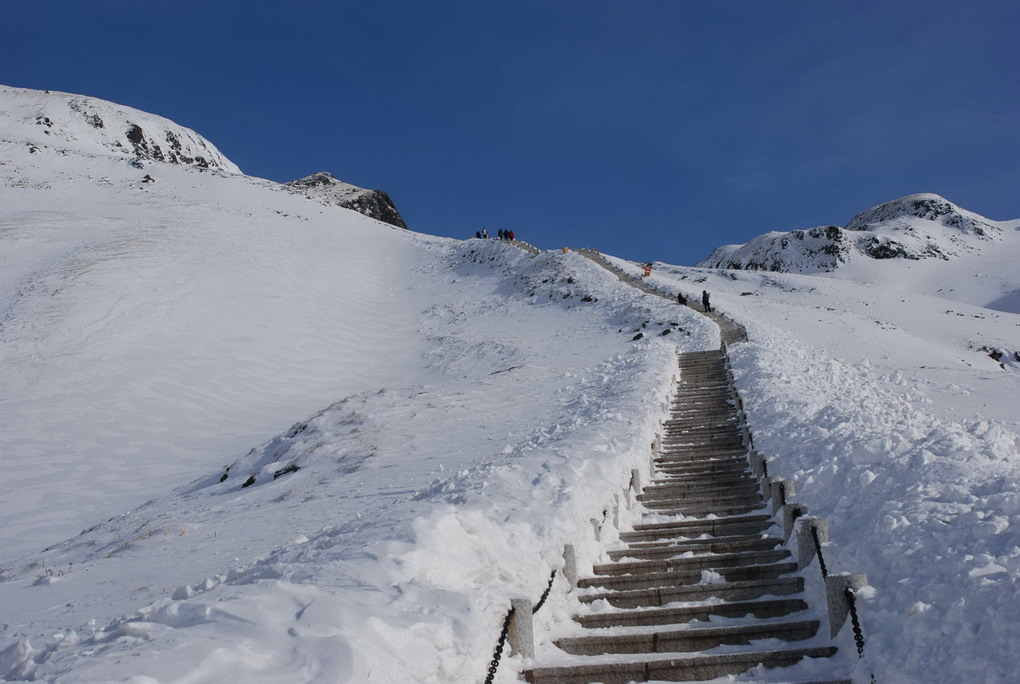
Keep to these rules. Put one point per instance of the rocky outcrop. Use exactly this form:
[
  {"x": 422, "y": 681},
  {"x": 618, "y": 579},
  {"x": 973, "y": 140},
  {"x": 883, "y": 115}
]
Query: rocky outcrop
[
  {"x": 63, "y": 122},
  {"x": 327, "y": 189},
  {"x": 915, "y": 227}
]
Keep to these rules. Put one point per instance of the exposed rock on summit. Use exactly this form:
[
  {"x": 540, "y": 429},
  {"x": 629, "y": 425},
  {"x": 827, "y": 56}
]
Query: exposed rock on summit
[
  {"x": 327, "y": 189},
  {"x": 61, "y": 122},
  {"x": 923, "y": 226}
]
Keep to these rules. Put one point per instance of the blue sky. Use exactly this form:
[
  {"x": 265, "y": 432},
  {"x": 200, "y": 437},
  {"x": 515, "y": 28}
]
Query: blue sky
[{"x": 648, "y": 129}]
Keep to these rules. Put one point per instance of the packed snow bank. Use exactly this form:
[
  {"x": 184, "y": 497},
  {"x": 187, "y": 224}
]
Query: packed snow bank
[
  {"x": 896, "y": 426},
  {"x": 477, "y": 407}
]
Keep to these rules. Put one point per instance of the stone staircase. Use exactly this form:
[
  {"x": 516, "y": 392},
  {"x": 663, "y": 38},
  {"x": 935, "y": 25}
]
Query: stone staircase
[{"x": 705, "y": 572}]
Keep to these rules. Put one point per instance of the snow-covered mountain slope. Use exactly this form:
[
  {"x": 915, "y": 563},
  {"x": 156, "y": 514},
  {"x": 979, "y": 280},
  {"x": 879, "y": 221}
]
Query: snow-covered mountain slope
[
  {"x": 907, "y": 244},
  {"x": 55, "y": 123},
  {"x": 459, "y": 407},
  {"x": 422, "y": 423},
  {"x": 325, "y": 188}
]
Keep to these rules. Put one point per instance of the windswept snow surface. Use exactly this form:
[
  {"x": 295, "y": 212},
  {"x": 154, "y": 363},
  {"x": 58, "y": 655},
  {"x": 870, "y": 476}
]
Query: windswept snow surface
[
  {"x": 424, "y": 423},
  {"x": 878, "y": 403}
]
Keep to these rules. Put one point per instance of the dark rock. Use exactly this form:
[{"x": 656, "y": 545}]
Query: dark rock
[
  {"x": 327, "y": 189},
  {"x": 292, "y": 468}
]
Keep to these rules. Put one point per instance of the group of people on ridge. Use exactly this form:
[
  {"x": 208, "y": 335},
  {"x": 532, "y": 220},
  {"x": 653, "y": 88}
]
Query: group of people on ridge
[{"x": 483, "y": 234}]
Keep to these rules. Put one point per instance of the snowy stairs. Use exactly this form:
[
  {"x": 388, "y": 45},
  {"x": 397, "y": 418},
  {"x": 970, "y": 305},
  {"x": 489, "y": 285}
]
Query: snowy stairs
[{"x": 716, "y": 562}]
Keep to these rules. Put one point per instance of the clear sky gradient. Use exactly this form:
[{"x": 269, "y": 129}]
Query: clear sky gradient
[{"x": 650, "y": 129}]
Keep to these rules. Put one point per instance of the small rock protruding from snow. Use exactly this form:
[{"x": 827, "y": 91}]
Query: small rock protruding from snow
[{"x": 326, "y": 188}]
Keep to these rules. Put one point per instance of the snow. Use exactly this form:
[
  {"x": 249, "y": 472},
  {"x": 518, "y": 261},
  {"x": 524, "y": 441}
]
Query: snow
[{"x": 423, "y": 423}]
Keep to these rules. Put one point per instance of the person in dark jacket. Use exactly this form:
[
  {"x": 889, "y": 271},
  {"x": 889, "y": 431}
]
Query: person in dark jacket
[
  {"x": 680, "y": 299},
  {"x": 478, "y": 234},
  {"x": 704, "y": 301},
  {"x": 500, "y": 234}
]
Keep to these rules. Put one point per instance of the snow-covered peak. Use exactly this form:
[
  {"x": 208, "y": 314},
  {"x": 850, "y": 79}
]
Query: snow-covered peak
[
  {"x": 329, "y": 190},
  {"x": 66, "y": 122},
  {"x": 923, "y": 206},
  {"x": 912, "y": 228}
]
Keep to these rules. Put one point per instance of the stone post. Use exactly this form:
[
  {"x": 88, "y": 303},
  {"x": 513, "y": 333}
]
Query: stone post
[
  {"x": 570, "y": 565},
  {"x": 779, "y": 491},
  {"x": 521, "y": 634},
  {"x": 757, "y": 465},
  {"x": 790, "y": 514},
  {"x": 837, "y": 600},
  {"x": 635, "y": 480},
  {"x": 805, "y": 543}
]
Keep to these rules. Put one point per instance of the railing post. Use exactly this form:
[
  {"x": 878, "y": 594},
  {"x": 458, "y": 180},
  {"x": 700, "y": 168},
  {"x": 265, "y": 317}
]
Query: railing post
[
  {"x": 521, "y": 634},
  {"x": 757, "y": 465},
  {"x": 779, "y": 490},
  {"x": 790, "y": 514},
  {"x": 635, "y": 480},
  {"x": 745, "y": 436},
  {"x": 837, "y": 600},
  {"x": 570, "y": 565},
  {"x": 805, "y": 540}
]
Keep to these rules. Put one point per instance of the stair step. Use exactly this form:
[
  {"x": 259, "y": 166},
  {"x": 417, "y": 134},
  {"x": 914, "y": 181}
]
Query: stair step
[
  {"x": 670, "y": 616},
  {"x": 732, "y": 543},
  {"x": 703, "y": 561},
  {"x": 688, "y": 524},
  {"x": 694, "y": 668},
  {"x": 686, "y": 640},
  {"x": 697, "y": 500},
  {"x": 700, "y": 485},
  {"x": 679, "y": 461},
  {"x": 651, "y": 580},
  {"x": 733, "y": 591},
  {"x": 704, "y": 510},
  {"x": 719, "y": 533}
]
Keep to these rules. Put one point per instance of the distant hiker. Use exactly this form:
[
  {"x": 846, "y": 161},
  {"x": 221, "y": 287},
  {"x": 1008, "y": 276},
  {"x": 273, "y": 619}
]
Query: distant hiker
[
  {"x": 646, "y": 270},
  {"x": 485, "y": 233},
  {"x": 704, "y": 301},
  {"x": 500, "y": 234},
  {"x": 510, "y": 235},
  {"x": 478, "y": 234},
  {"x": 680, "y": 299}
]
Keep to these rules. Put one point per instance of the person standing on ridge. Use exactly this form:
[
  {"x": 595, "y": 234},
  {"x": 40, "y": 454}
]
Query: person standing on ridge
[
  {"x": 704, "y": 301},
  {"x": 680, "y": 299},
  {"x": 500, "y": 234},
  {"x": 510, "y": 236}
]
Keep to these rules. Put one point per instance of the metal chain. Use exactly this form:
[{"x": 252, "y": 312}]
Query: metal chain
[
  {"x": 855, "y": 623},
  {"x": 498, "y": 653},
  {"x": 545, "y": 594},
  {"x": 818, "y": 550}
]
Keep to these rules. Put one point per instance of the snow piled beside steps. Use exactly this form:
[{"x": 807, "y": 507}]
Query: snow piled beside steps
[{"x": 412, "y": 512}]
